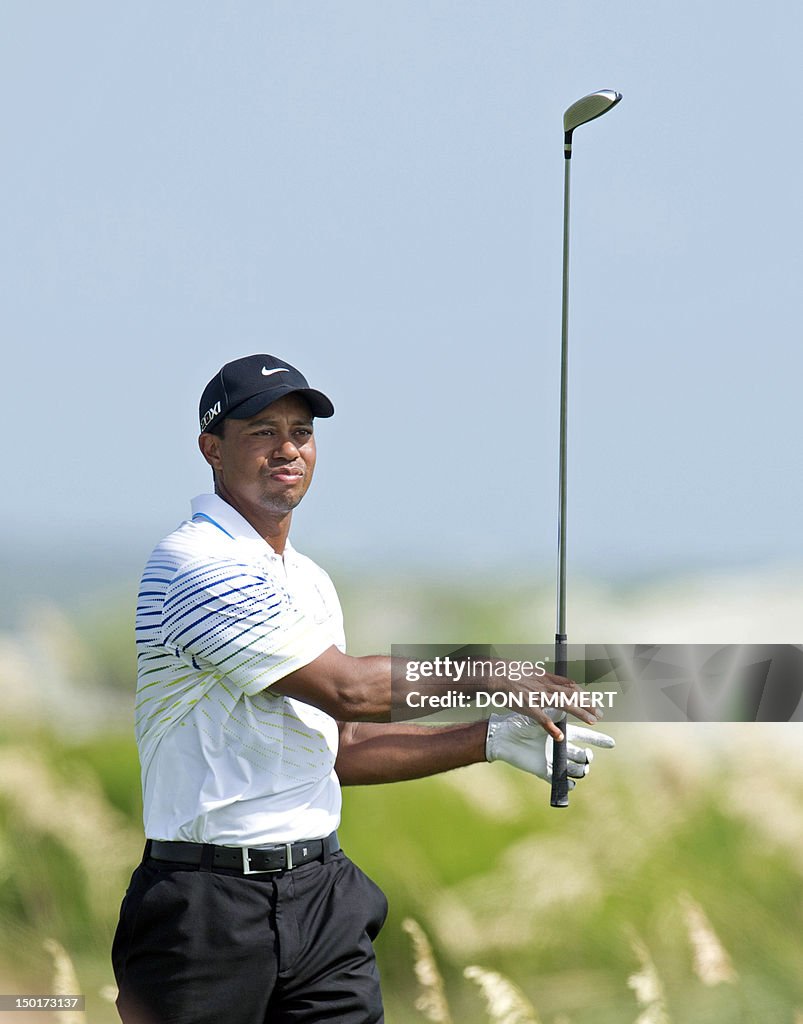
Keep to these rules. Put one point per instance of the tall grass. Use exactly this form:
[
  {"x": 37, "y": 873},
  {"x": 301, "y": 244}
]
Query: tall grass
[
  {"x": 648, "y": 988},
  {"x": 666, "y": 851},
  {"x": 672, "y": 886}
]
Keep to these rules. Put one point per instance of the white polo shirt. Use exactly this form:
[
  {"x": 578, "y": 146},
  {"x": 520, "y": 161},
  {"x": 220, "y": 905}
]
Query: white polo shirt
[{"x": 220, "y": 618}]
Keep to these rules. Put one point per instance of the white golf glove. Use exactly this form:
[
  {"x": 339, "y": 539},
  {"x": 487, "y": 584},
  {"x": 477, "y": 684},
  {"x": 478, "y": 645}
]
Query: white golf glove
[{"x": 522, "y": 742}]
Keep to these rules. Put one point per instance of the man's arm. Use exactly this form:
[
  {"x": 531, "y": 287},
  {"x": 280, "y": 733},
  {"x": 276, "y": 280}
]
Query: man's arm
[
  {"x": 359, "y": 689},
  {"x": 372, "y": 752}
]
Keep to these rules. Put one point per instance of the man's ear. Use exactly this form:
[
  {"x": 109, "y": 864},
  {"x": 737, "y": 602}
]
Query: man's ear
[{"x": 210, "y": 449}]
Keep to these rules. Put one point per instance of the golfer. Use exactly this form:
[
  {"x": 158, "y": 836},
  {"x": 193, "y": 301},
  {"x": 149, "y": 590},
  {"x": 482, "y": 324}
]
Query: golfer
[{"x": 249, "y": 719}]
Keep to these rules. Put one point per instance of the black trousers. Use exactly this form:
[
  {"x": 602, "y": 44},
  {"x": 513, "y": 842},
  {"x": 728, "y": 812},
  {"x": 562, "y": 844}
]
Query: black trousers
[{"x": 203, "y": 947}]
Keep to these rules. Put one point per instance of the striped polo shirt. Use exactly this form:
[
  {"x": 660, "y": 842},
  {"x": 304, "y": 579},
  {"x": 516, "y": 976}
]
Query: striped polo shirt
[{"x": 220, "y": 618}]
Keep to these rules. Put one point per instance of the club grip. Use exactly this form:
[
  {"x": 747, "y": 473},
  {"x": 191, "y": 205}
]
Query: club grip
[{"x": 560, "y": 773}]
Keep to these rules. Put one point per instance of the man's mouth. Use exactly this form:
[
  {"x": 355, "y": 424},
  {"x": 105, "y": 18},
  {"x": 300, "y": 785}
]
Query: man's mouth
[{"x": 286, "y": 476}]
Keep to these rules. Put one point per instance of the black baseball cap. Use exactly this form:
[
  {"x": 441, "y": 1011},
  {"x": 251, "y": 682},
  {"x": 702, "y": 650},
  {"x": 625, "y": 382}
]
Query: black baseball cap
[{"x": 245, "y": 386}]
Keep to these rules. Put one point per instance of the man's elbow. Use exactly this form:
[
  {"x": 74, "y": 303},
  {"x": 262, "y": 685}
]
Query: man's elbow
[{"x": 350, "y": 700}]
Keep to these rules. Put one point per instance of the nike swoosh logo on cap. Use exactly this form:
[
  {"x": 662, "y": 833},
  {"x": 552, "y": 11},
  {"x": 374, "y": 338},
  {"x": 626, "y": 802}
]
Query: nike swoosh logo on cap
[{"x": 279, "y": 369}]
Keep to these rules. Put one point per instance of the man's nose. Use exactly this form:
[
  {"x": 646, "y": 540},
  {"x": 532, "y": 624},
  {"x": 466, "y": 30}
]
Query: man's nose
[{"x": 286, "y": 449}]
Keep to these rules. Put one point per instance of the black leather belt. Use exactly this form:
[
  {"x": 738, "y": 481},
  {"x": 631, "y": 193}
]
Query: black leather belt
[{"x": 247, "y": 860}]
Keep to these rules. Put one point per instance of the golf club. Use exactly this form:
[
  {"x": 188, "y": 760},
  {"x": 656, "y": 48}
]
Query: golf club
[{"x": 586, "y": 109}]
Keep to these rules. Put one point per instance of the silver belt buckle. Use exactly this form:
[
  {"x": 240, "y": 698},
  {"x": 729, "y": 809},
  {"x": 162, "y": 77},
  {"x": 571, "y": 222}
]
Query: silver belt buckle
[{"x": 248, "y": 870}]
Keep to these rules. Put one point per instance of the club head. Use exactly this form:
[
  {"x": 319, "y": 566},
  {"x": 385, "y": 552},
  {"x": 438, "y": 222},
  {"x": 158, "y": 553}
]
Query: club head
[{"x": 594, "y": 105}]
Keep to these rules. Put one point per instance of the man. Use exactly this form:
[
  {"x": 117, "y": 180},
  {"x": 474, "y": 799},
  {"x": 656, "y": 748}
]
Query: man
[{"x": 249, "y": 718}]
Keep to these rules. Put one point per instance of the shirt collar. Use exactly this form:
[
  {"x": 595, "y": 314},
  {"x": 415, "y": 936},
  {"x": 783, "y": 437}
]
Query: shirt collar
[{"x": 225, "y": 517}]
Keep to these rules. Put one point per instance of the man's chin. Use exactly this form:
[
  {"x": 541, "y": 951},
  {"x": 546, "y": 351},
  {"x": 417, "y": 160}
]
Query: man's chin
[
  {"x": 281, "y": 503},
  {"x": 263, "y": 504}
]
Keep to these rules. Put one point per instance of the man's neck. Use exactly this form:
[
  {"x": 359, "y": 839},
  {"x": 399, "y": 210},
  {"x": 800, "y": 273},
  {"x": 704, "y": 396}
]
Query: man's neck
[{"x": 272, "y": 527}]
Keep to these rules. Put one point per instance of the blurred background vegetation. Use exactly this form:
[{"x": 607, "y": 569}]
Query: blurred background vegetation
[{"x": 671, "y": 890}]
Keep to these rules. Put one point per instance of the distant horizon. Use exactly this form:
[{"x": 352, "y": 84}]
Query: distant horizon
[
  {"x": 82, "y": 575},
  {"x": 127, "y": 550}
]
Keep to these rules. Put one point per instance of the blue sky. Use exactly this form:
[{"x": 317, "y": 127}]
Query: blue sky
[{"x": 373, "y": 191}]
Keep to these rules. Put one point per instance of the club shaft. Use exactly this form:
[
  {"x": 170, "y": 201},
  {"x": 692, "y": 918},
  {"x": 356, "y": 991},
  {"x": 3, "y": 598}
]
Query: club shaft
[
  {"x": 560, "y": 778},
  {"x": 564, "y": 403}
]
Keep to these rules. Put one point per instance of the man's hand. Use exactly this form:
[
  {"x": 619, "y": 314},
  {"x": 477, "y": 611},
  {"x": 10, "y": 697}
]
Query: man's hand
[{"x": 521, "y": 742}]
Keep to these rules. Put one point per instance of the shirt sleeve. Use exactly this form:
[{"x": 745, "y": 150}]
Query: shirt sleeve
[{"x": 226, "y": 616}]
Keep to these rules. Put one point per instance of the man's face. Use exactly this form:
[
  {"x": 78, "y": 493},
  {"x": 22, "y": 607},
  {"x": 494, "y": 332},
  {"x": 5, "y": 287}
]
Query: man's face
[{"x": 264, "y": 464}]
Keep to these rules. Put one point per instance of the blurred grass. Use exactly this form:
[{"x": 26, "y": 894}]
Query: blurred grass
[
  {"x": 576, "y": 956},
  {"x": 482, "y": 885},
  {"x": 552, "y": 900}
]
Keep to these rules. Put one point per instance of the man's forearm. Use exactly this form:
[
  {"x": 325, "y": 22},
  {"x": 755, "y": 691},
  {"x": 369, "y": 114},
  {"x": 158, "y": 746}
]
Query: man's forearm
[{"x": 372, "y": 752}]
